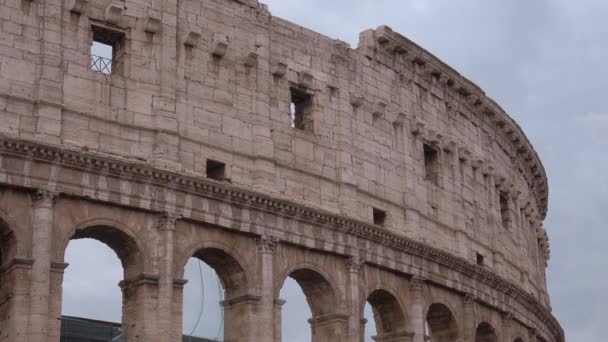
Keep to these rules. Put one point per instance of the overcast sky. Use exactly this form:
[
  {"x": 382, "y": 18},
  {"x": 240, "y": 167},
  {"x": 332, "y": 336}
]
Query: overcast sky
[{"x": 543, "y": 61}]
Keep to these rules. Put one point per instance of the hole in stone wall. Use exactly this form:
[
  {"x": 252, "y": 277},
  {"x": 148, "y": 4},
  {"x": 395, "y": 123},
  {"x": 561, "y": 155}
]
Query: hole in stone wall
[
  {"x": 107, "y": 50},
  {"x": 301, "y": 109},
  {"x": 505, "y": 212},
  {"x": 216, "y": 170},
  {"x": 480, "y": 260},
  {"x": 379, "y": 217},
  {"x": 431, "y": 164}
]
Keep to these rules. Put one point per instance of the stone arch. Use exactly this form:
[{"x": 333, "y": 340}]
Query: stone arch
[
  {"x": 320, "y": 293},
  {"x": 441, "y": 323},
  {"x": 117, "y": 237},
  {"x": 229, "y": 267},
  {"x": 388, "y": 314},
  {"x": 518, "y": 339},
  {"x": 485, "y": 333}
]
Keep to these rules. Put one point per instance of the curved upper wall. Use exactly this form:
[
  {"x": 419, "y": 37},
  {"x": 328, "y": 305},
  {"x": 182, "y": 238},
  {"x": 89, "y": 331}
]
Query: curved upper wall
[{"x": 390, "y": 134}]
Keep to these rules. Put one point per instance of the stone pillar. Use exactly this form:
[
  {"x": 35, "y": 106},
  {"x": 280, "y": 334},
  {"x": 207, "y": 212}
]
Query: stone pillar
[
  {"x": 469, "y": 321},
  {"x": 362, "y": 323},
  {"x": 243, "y": 320},
  {"x": 354, "y": 323},
  {"x": 167, "y": 331},
  {"x": 395, "y": 337},
  {"x": 42, "y": 222},
  {"x": 417, "y": 309},
  {"x": 15, "y": 287},
  {"x": 139, "y": 308},
  {"x": 264, "y": 326},
  {"x": 55, "y": 300},
  {"x": 507, "y": 326},
  {"x": 330, "y": 327},
  {"x": 278, "y": 319}
]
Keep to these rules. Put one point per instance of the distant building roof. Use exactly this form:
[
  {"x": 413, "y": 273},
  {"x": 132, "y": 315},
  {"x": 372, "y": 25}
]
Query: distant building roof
[{"x": 77, "y": 329}]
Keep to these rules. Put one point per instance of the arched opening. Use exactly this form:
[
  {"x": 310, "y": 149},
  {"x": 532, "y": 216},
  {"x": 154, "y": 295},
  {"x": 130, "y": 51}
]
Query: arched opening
[
  {"x": 7, "y": 240},
  {"x": 98, "y": 293},
  {"x": 519, "y": 339},
  {"x": 388, "y": 317},
  {"x": 485, "y": 333},
  {"x": 216, "y": 284},
  {"x": 440, "y": 324},
  {"x": 7, "y": 244},
  {"x": 325, "y": 324}
]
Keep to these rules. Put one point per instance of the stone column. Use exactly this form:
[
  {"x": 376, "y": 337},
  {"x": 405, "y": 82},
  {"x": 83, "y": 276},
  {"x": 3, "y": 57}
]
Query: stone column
[
  {"x": 362, "y": 323},
  {"x": 264, "y": 321},
  {"x": 140, "y": 304},
  {"x": 507, "y": 326},
  {"x": 55, "y": 300},
  {"x": 43, "y": 207},
  {"x": 417, "y": 308},
  {"x": 354, "y": 323},
  {"x": 469, "y": 321},
  {"x": 15, "y": 287},
  {"x": 278, "y": 319},
  {"x": 167, "y": 330}
]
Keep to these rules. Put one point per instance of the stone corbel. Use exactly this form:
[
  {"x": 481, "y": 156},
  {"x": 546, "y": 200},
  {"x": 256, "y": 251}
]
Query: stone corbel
[
  {"x": 379, "y": 109},
  {"x": 477, "y": 163},
  {"x": 464, "y": 153},
  {"x": 449, "y": 145},
  {"x": 193, "y": 36},
  {"x": 219, "y": 46},
  {"x": 305, "y": 79},
  {"x": 356, "y": 100},
  {"x": 113, "y": 14},
  {"x": 487, "y": 170},
  {"x": 77, "y": 6},
  {"x": 383, "y": 34},
  {"x": 418, "y": 127},
  {"x": 251, "y": 60},
  {"x": 278, "y": 68},
  {"x": 152, "y": 24}
]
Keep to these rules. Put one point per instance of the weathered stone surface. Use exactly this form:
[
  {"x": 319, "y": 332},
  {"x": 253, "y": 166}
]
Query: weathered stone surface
[{"x": 394, "y": 181}]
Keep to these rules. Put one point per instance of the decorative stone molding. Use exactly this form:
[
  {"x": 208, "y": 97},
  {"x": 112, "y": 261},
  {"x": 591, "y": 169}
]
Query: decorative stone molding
[
  {"x": 193, "y": 36},
  {"x": 417, "y": 284},
  {"x": 354, "y": 263},
  {"x": 251, "y": 60},
  {"x": 356, "y": 100},
  {"x": 141, "y": 279},
  {"x": 469, "y": 299},
  {"x": 140, "y": 172},
  {"x": 167, "y": 221},
  {"x": 379, "y": 109}
]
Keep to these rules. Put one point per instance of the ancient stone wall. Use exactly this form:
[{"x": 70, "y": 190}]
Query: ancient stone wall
[{"x": 267, "y": 150}]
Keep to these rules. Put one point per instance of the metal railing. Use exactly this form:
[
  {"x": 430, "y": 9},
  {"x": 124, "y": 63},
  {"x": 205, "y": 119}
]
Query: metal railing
[{"x": 101, "y": 64}]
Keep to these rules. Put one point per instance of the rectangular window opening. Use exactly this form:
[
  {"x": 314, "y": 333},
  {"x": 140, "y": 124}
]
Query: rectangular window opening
[
  {"x": 431, "y": 164},
  {"x": 379, "y": 217},
  {"x": 480, "y": 260},
  {"x": 216, "y": 170},
  {"x": 505, "y": 214},
  {"x": 107, "y": 50},
  {"x": 301, "y": 109}
]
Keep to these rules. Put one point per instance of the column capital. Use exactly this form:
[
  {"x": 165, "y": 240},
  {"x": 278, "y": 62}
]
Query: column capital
[
  {"x": 167, "y": 220},
  {"x": 267, "y": 244},
  {"x": 44, "y": 198},
  {"x": 353, "y": 264},
  {"x": 507, "y": 318},
  {"x": 417, "y": 284},
  {"x": 469, "y": 299}
]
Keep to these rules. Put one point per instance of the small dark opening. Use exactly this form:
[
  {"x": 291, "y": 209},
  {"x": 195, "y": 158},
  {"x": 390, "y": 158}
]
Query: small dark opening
[
  {"x": 300, "y": 109},
  {"x": 379, "y": 217},
  {"x": 480, "y": 260},
  {"x": 107, "y": 50},
  {"x": 504, "y": 210},
  {"x": 216, "y": 170},
  {"x": 431, "y": 164}
]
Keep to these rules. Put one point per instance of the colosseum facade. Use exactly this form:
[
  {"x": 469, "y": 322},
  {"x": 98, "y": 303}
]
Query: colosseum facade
[{"x": 374, "y": 174}]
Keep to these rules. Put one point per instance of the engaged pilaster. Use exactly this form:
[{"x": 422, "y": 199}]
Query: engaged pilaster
[
  {"x": 417, "y": 286},
  {"x": 469, "y": 324},
  {"x": 265, "y": 327},
  {"x": 169, "y": 328},
  {"x": 43, "y": 207},
  {"x": 353, "y": 266}
]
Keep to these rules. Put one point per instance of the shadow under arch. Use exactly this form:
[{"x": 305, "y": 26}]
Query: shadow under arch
[
  {"x": 229, "y": 269},
  {"x": 441, "y": 323},
  {"x": 7, "y": 243},
  {"x": 518, "y": 339},
  {"x": 390, "y": 319},
  {"x": 318, "y": 290},
  {"x": 116, "y": 237},
  {"x": 485, "y": 333}
]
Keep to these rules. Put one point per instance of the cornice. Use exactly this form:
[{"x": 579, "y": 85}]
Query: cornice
[{"x": 138, "y": 171}]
